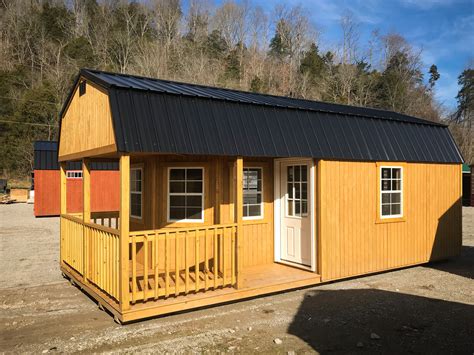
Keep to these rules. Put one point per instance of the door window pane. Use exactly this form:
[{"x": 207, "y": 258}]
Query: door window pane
[{"x": 297, "y": 191}]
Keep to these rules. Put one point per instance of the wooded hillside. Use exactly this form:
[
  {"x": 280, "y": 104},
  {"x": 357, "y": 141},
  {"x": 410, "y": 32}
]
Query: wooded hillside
[{"x": 237, "y": 45}]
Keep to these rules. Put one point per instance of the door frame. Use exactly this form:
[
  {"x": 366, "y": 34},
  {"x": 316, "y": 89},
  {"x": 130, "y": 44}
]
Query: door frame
[{"x": 277, "y": 210}]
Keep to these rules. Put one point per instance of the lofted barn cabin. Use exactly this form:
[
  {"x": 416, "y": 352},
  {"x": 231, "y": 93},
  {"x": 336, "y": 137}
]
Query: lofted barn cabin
[{"x": 226, "y": 195}]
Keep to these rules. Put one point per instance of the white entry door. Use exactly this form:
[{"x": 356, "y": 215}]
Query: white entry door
[{"x": 295, "y": 210}]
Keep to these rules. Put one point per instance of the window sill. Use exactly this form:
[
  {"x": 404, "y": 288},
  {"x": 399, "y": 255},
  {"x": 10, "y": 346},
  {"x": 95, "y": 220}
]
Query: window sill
[{"x": 390, "y": 220}]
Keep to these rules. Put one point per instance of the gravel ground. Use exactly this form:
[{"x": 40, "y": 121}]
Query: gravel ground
[{"x": 424, "y": 309}]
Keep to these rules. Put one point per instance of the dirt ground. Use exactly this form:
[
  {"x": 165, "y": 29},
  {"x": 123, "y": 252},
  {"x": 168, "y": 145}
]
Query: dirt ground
[{"x": 424, "y": 309}]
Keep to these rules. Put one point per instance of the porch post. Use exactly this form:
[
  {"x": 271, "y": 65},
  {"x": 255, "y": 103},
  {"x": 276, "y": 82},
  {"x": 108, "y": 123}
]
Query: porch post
[
  {"x": 62, "y": 208},
  {"x": 239, "y": 171},
  {"x": 124, "y": 217},
  {"x": 86, "y": 214}
]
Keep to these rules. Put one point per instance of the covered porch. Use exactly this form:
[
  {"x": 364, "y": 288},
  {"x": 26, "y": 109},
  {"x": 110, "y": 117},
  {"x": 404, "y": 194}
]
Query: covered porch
[{"x": 148, "y": 266}]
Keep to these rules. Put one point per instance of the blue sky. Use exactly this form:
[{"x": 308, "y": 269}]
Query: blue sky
[{"x": 442, "y": 29}]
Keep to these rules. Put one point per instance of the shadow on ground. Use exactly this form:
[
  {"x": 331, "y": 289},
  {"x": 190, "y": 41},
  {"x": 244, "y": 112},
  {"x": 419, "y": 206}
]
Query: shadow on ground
[
  {"x": 343, "y": 321},
  {"x": 462, "y": 265}
]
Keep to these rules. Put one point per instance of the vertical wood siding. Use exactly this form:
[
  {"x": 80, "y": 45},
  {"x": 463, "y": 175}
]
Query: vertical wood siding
[
  {"x": 87, "y": 123},
  {"x": 219, "y": 198},
  {"x": 353, "y": 243}
]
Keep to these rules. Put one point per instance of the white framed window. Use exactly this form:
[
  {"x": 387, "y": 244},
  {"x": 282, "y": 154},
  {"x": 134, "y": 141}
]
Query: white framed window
[
  {"x": 186, "y": 194},
  {"x": 252, "y": 193},
  {"x": 297, "y": 191},
  {"x": 136, "y": 189},
  {"x": 391, "y": 191},
  {"x": 74, "y": 174}
]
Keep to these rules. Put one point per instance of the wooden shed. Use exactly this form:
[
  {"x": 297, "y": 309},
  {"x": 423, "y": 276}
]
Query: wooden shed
[
  {"x": 226, "y": 195},
  {"x": 104, "y": 187}
]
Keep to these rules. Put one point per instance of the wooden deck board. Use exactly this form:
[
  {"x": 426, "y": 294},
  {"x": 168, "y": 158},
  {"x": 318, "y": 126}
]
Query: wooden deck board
[{"x": 257, "y": 280}]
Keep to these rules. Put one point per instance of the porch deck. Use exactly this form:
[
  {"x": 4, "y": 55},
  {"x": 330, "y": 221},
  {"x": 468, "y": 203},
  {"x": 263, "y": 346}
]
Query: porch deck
[{"x": 257, "y": 281}]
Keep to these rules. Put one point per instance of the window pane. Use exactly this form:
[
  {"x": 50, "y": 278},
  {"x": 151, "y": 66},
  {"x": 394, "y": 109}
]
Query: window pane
[
  {"x": 396, "y": 173},
  {"x": 290, "y": 190},
  {"x": 177, "y": 201},
  {"x": 304, "y": 207},
  {"x": 136, "y": 210},
  {"x": 194, "y": 174},
  {"x": 194, "y": 201},
  {"x": 304, "y": 173},
  {"x": 136, "y": 199},
  {"x": 396, "y": 208},
  {"x": 290, "y": 173},
  {"x": 194, "y": 186},
  {"x": 177, "y": 174},
  {"x": 396, "y": 184},
  {"x": 385, "y": 185},
  {"x": 304, "y": 191},
  {"x": 385, "y": 210},
  {"x": 297, "y": 208},
  {"x": 289, "y": 207},
  {"x": 385, "y": 198},
  {"x": 251, "y": 198},
  {"x": 245, "y": 211},
  {"x": 297, "y": 173},
  {"x": 254, "y": 211},
  {"x": 386, "y": 173},
  {"x": 193, "y": 213},
  {"x": 177, "y": 213},
  {"x": 177, "y": 187},
  {"x": 396, "y": 197},
  {"x": 297, "y": 191}
]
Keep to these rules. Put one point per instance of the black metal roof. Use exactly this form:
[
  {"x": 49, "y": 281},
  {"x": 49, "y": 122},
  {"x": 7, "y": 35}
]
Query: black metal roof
[
  {"x": 46, "y": 158},
  {"x": 151, "y": 115}
]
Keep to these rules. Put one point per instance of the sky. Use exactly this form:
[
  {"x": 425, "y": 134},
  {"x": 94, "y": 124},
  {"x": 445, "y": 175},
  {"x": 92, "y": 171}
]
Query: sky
[{"x": 442, "y": 29}]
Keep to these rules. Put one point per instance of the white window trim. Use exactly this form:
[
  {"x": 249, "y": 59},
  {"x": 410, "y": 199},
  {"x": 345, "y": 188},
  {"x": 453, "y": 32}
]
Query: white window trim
[
  {"x": 137, "y": 193},
  {"x": 262, "y": 205},
  {"x": 400, "y": 215},
  {"x": 168, "y": 194},
  {"x": 73, "y": 172}
]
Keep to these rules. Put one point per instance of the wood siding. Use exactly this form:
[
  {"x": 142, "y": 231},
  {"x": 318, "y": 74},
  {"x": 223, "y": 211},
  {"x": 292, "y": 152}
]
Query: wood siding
[
  {"x": 257, "y": 243},
  {"x": 353, "y": 242},
  {"x": 87, "y": 125}
]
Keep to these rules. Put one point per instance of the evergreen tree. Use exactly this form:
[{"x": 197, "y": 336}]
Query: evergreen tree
[
  {"x": 280, "y": 46},
  {"x": 312, "y": 64},
  {"x": 434, "y": 76}
]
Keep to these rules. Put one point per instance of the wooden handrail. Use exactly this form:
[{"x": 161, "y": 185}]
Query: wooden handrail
[{"x": 181, "y": 229}]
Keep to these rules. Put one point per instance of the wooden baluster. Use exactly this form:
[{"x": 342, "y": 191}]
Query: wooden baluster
[
  {"x": 196, "y": 266},
  {"x": 156, "y": 242},
  {"x": 167, "y": 265},
  {"x": 232, "y": 254},
  {"x": 206, "y": 261},
  {"x": 224, "y": 258},
  {"x": 186, "y": 263},
  {"x": 145, "y": 267},
  {"x": 216, "y": 259},
  {"x": 134, "y": 268},
  {"x": 176, "y": 271}
]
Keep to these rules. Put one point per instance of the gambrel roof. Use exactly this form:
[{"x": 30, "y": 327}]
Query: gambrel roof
[{"x": 151, "y": 115}]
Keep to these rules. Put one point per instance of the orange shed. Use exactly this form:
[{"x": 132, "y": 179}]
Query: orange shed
[{"x": 104, "y": 183}]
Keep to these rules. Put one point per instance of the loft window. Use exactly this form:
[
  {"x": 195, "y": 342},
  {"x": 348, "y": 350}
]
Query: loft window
[
  {"x": 82, "y": 88},
  {"x": 186, "y": 194},
  {"x": 391, "y": 192},
  {"x": 74, "y": 174},
  {"x": 252, "y": 193},
  {"x": 136, "y": 186}
]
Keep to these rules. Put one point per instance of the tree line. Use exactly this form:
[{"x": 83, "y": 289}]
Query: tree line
[{"x": 43, "y": 44}]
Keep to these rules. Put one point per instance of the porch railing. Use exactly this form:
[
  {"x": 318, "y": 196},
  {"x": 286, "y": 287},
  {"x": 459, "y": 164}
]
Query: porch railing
[
  {"x": 91, "y": 250},
  {"x": 162, "y": 263},
  {"x": 179, "y": 261}
]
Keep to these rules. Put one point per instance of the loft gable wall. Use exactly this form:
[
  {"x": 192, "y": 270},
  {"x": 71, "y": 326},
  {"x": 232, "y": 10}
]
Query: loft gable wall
[{"x": 86, "y": 124}]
